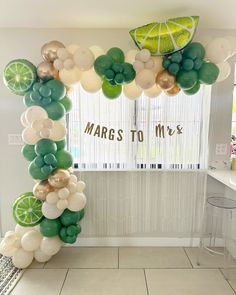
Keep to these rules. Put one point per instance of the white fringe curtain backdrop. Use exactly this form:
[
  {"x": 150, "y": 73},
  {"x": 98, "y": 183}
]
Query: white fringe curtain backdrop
[{"x": 180, "y": 151}]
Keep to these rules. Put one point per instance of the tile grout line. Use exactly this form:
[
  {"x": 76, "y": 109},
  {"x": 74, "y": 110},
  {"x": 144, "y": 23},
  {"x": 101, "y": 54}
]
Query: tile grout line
[
  {"x": 222, "y": 273},
  {"x": 188, "y": 257},
  {"x": 64, "y": 281},
  {"x": 145, "y": 277}
]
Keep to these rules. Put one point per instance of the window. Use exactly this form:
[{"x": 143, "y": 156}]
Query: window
[{"x": 161, "y": 133}]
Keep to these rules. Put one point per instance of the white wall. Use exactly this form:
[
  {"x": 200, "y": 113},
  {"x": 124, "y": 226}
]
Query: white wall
[{"x": 168, "y": 207}]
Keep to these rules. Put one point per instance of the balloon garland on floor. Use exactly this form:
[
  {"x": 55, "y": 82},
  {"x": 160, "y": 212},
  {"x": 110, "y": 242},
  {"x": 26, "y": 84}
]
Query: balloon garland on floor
[{"x": 167, "y": 61}]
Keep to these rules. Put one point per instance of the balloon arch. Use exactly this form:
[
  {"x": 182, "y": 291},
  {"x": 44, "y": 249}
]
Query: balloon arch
[{"x": 167, "y": 60}]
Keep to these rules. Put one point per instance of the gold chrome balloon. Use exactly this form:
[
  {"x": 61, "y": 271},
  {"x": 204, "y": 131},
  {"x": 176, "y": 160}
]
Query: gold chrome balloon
[
  {"x": 49, "y": 50},
  {"x": 41, "y": 189},
  {"x": 165, "y": 80},
  {"x": 46, "y": 71},
  {"x": 173, "y": 91},
  {"x": 165, "y": 37},
  {"x": 59, "y": 178}
]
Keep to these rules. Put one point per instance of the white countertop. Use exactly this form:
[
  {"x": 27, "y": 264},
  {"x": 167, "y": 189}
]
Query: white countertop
[{"x": 227, "y": 177}]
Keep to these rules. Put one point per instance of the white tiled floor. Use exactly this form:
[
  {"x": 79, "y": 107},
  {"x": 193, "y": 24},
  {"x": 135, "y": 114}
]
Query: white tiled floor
[{"x": 126, "y": 271}]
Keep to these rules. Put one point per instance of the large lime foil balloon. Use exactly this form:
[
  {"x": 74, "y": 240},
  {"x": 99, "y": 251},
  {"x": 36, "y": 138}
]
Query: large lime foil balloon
[{"x": 166, "y": 37}]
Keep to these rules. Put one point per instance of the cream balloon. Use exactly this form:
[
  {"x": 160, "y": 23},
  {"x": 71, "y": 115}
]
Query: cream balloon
[
  {"x": 80, "y": 186},
  {"x": 73, "y": 178},
  {"x": 84, "y": 58},
  {"x": 153, "y": 92},
  {"x": 63, "y": 193},
  {"x": 145, "y": 79},
  {"x": 90, "y": 81},
  {"x": 143, "y": 55},
  {"x": 21, "y": 230},
  {"x": 22, "y": 258},
  {"x": 97, "y": 51},
  {"x": 70, "y": 77},
  {"x": 50, "y": 246},
  {"x": 72, "y": 48},
  {"x": 58, "y": 64},
  {"x": 68, "y": 64},
  {"x": 157, "y": 64},
  {"x": 7, "y": 250},
  {"x": 30, "y": 136},
  {"x": 58, "y": 132},
  {"x": 72, "y": 187},
  {"x": 35, "y": 113},
  {"x": 76, "y": 202},
  {"x": 31, "y": 240},
  {"x": 218, "y": 50},
  {"x": 62, "y": 204},
  {"x": 23, "y": 120},
  {"x": 204, "y": 40},
  {"x": 50, "y": 211},
  {"x": 63, "y": 54},
  {"x": 52, "y": 197},
  {"x": 41, "y": 257},
  {"x": 138, "y": 66},
  {"x": 232, "y": 41},
  {"x": 130, "y": 56},
  {"x": 132, "y": 91},
  {"x": 225, "y": 70}
]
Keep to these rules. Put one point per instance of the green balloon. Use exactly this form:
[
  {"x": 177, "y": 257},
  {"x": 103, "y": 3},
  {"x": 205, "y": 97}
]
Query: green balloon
[
  {"x": 47, "y": 169},
  {"x": 109, "y": 74},
  {"x": 67, "y": 103},
  {"x": 102, "y": 63},
  {"x": 64, "y": 159},
  {"x": 186, "y": 79},
  {"x": 116, "y": 54},
  {"x": 208, "y": 73},
  {"x": 45, "y": 146},
  {"x": 197, "y": 64},
  {"x": 28, "y": 101},
  {"x": 194, "y": 50},
  {"x": 58, "y": 90},
  {"x": 60, "y": 144},
  {"x": 50, "y": 227},
  {"x": 176, "y": 57},
  {"x": 111, "y": 91},
  {"x": 55, "y": 110},
  {"x": 187, "y": 64},
  {"x": 28, "y": 152},
  {"x": 81, "y": 214},
  {"x": 35, "y": 172},
  {"x": 39, "y": 161},
  {"x": 193, "y": 90},
  {"x": 73, "y": 230},
  {"x": 166, "y": 62},
  {"x": 119, "y": 78},
  {"x": 117, "y": 67},
  {"x": 50, "y": 159},
  {"x": 69, "y": 217},
  {"x": 128, "y": 72},
  {"x": 174, "y": 68}
]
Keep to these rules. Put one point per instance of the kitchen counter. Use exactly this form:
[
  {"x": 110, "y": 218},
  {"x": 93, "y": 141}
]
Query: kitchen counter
[{"x": 227, "y": 177}]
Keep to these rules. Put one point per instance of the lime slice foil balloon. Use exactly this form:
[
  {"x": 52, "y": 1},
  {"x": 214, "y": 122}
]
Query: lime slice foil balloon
[{"x": 165, "y": 37}]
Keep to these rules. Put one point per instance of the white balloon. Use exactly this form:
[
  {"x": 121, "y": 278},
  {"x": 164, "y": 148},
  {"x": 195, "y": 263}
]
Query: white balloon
[
  {"x": 232, "y": 41},
  {"x": 76, "y": 202},
  {"x": 204, "y": 40},
  {"x": 97, "y": 51},
  {"x": 31, "y": 240},
  {"x": 58, "y": 131},
  {"x": 138, "y": 66},
  {"x": 132, "y": 91},
  {"x": 72, "y": 48},
  {"x": 143, "y": 55},
  {"x": 7, "y": 250},
  {"x": 68, "y": 64},
  {"x": 158, "y": 60},
  {"x": 63, "y": 53},
  {"x": 70, "y": 77},
  {"x": 35, "y": 113},
  {"x": 84, "y": 58},
  {"x": 130, "y": 56},
  {"x": 80, "y": 186},
  {"x": 21, "y": 230},
  {"x": 41, "y": 257},
  {"x": 62, "y": 204},
  {"x": 218, "y": 50},
  {"x": 225, "y": 70},
  {"x": 50, "y": 211},
  {"x": 152, "y": 92},
  {"x": 52, "y": 197},
  {"x": 145, "y": 79},
  {"x": 58, "y": 64},
  {"x": 63, "y": 193},
  {"x": 50, "y": 246},
  {"x": 23, "y": 120},
  {"x": 30, "y": 136},
  {"x": 90, "y": 81},
  {"x": 22, "y": 258}
]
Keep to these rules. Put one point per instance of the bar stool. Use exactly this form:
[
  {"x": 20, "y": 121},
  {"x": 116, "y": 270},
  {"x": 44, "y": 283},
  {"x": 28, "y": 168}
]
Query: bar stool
[{"x": 219, "y": 230}]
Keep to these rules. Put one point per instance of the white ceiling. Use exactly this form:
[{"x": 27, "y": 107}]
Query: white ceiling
[{"x": 112, "y": 13}]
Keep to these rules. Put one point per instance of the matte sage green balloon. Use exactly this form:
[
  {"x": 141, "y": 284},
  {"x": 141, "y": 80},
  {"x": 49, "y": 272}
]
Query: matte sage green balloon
[
  {"x": 69, "y": 217},
  {"x": 111, "y": 91},
  {"x": 67, "y": 103},
  {"x": 50, "y": 227},
  {"x": 60, "y": 144},
  {"x": 208, "y": 73},
  {"x": 194, "y": 50},
  {"x": 193, "y": 90},
  {"x": 102, "y": 64},
  {"x": 186, "y": 79},
  {"x": 116, "y": 54},
  {"x": 28, "y": 152},
  {"x": 58, "y": 90},
  {"x": 27, "y": 100},
  {"x": 55, "y": 110},
  {"x": 64, "y": 159},
  {"x": 45, "y": 146},
  {"x": 128, "y": 72},
  {"x": 35, "y": 172}
]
